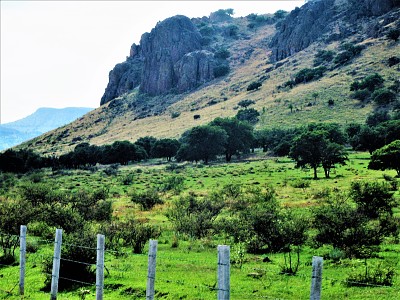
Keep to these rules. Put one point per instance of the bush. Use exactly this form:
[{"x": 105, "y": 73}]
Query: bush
[
  {"x": 306, "y": 75},
  {"x": 371, "y": 83},
  {"x": 221, "y": 70},
  {"x": 147, "y": 199},
  {"x": 361, "y": 95},
  {"x": 383, "y": 96},
  {"x": 393, "y": 34},
  {"x": 249, "y": 115},
  {"x": 393, "y": 60},
  {"x": 301, "y": 184},
  {"x": 194, "y": 217},
  {"x": 136, "y": 234},
  {"x": 376, "y": 276},
  {"x": 222, "y": 53},
  {"x": 255, "y": 85},
  {"x": 173, "y": 183},
  {"x": 175, "y": 114},
  {"x": 78, "y": 254},
  {"x": 246, "y": 103},
  {"x": 323, "y": 56}
]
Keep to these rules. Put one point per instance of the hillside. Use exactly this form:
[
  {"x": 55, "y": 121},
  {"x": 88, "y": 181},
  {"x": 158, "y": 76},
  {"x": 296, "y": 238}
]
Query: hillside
[
  {"x": 41, "y": 121},
  {"x": 130, "y": 113}
]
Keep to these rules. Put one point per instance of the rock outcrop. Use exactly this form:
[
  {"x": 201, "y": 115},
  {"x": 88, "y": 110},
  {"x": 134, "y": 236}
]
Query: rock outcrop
[
  {"x": 323, "y": 19},
  {"x": 169, "y": 59}
]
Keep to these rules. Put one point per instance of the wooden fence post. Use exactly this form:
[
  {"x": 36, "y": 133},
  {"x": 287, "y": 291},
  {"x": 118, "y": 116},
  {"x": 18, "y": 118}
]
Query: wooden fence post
[
  {"x": 56, "y": 265},
  {"x": 22, "y": 259},
  {"x": 223, "y": 272},
  {"x": 100, "y": 267},
  {"x": 316, "y": 279},
  {"x": 151, "y": 273}
]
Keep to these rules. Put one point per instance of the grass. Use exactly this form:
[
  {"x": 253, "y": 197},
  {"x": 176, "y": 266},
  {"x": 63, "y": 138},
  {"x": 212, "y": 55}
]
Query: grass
[{"x": 188, "y": 271}]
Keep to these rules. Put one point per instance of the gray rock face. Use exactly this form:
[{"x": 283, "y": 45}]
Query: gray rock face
[
  {"x": 313, "y": 20},
  {"x": 162, "y": 48},
  {"x": 169, "y": 59},
  {"x": 194, "y": 69}
]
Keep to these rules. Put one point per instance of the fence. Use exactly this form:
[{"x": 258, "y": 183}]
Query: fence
[{"x": 222, "y": 289}]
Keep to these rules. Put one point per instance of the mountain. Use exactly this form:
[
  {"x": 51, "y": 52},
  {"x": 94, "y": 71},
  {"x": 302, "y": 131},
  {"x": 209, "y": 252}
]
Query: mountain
[
  {"x": 41, "y": 121},
  {"x": 166, "y": 86}
]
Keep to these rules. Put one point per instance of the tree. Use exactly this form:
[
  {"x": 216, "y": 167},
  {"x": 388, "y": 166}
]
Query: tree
[
  {"x": 203, "y": 143},
  {"x": 255, "y": 85},
  {"x": 332, "y": 154},
  {"x": 147, "y": 143},
  {"x": 315, "y": 147},
  {"x": 249, "y": 114},
  {"x": 307, "y": 149},
  {"x": 165, "y": 148},
  {"x": 239, "y": 135},
  {"x": 387, "y": 157},
  {"x": 393, "y": 34}
]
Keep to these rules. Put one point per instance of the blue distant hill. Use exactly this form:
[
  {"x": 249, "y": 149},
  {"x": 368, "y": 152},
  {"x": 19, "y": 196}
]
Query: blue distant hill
[{"x": 41, "y": 121}]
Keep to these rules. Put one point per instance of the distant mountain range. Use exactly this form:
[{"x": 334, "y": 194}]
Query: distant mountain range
[{"x": 41, "y": 121}]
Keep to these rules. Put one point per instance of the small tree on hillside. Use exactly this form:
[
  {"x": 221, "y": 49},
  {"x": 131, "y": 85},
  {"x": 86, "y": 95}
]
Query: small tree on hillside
[{"x": 387, "y": 157}]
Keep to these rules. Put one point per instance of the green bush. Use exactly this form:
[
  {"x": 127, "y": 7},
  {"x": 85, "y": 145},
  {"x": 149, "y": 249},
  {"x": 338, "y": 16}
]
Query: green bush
[
  {"x": 136, "y": 234},
  {"x": 371, "y": 83},
  {"x": 323, "y": 56},
  {"x": 377, "y": 275},
  {"x": 173, "y": 183},
  {"x": 383, "y": 96},
  {"x": 221, "y": 70},
  {"x": 306, "y": 75},
  {"x": 147, "y": 199},
  {"x": 393, "y": 34},
  {"x": 255, "y": 85},
  {"x": 361, "y": 95}
]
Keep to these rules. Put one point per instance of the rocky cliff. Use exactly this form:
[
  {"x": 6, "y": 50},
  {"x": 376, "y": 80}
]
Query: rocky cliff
[
  {"x": 169, "y": 59},
  {"x": 323, "y": 20}
]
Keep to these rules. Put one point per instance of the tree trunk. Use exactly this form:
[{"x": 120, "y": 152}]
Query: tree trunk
[{"x": 315, "y": 173}]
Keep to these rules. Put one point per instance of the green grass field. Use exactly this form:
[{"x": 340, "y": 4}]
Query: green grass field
[{"x": 189, "y": 269}]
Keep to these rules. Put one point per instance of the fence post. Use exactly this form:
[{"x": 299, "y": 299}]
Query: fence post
[
  {"x": 22, "y": 259},
  {"x": 151, "y": 273},
  {"x": 56, "y": 265},
  {"x": 223, "y": 272},
  {"x": 316, "y": 279},
  {"x": 100, "y": 267}
]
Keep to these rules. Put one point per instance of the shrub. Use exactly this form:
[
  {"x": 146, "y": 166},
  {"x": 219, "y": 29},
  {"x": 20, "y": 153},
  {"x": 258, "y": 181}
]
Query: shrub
[
  {"x": 393, "y": 60},
  {"x": 331, "y": 102},
  {"x": 383, "y": 96},
  {"x": 194, "y": 217},
  {"x": 393, "y": 34},
  {"x": 245, "y": 103},
  {"x": 146, "y": 199},
  {"x": 136, "y": 234},
  {"x": 255, "y": 85},
  {"x": 306, "y": 75},
  {"x": 249, "y": 115},
  {"x": 222, "y": 53},
  {"x": 175, "y": 114},
  {"x": 323, "y": 56},
  {"x": 221, "y": 70},
  {"x": 371, "y": 82},
  {"x": 78, "y": 253},
  {"x": 127, "y": 179},
  {"x": 378, "y": 275},
  {"x": 173, "y": 183},
  {"x": 111, "y": 170},
  {"x": 301, "y": 184},
  {"x": 361, "y": 95}
]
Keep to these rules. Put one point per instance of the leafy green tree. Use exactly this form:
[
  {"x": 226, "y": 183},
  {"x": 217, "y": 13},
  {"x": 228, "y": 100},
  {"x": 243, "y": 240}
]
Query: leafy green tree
[
  {"x": 387, "y": 157},
  {"x": 240, "y": 135},
  {"x": 314, "y": 148},
  {"x": 383, "y": 96},
  {"x": 307, "y": 149},
  {"x": 371, "y": 83},
  {"x": 165, "y": 148},
  {"x": 146, "y": 143},
  {"x": 249, "y": 115},
  {"x": 203, "y": 143},
  {"x": 332, "y": 154},
  {"x": 255, "y": 85}
]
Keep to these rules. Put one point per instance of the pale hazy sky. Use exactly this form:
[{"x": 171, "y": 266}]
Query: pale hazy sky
[{"x": 59, "y": 53}]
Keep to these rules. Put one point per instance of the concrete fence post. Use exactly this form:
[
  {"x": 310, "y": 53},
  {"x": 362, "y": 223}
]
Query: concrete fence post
[
  {"x": 100, "y": 267},
  {"x": 316, "y": 279},
  {"x": 151, "y": 273},
  {"x": 56, "y": 265},
  {"x": 22, "y": 259},
  {"x": 223, "y": 272}
]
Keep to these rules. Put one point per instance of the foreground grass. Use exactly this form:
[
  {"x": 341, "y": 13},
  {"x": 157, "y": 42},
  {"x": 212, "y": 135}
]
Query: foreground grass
[{"x": 186, "y": 269}]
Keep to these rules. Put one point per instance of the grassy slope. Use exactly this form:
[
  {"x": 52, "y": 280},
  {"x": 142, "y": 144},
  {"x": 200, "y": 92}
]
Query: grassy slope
[{"x": 189, "y": 270}]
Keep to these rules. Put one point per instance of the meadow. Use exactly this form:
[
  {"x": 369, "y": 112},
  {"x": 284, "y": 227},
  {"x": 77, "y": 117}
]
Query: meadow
[{"x": 187, "y": 267}]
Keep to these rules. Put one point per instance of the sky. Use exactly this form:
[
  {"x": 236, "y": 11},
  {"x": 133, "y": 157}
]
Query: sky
[{"x": 59, "y": 53}]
